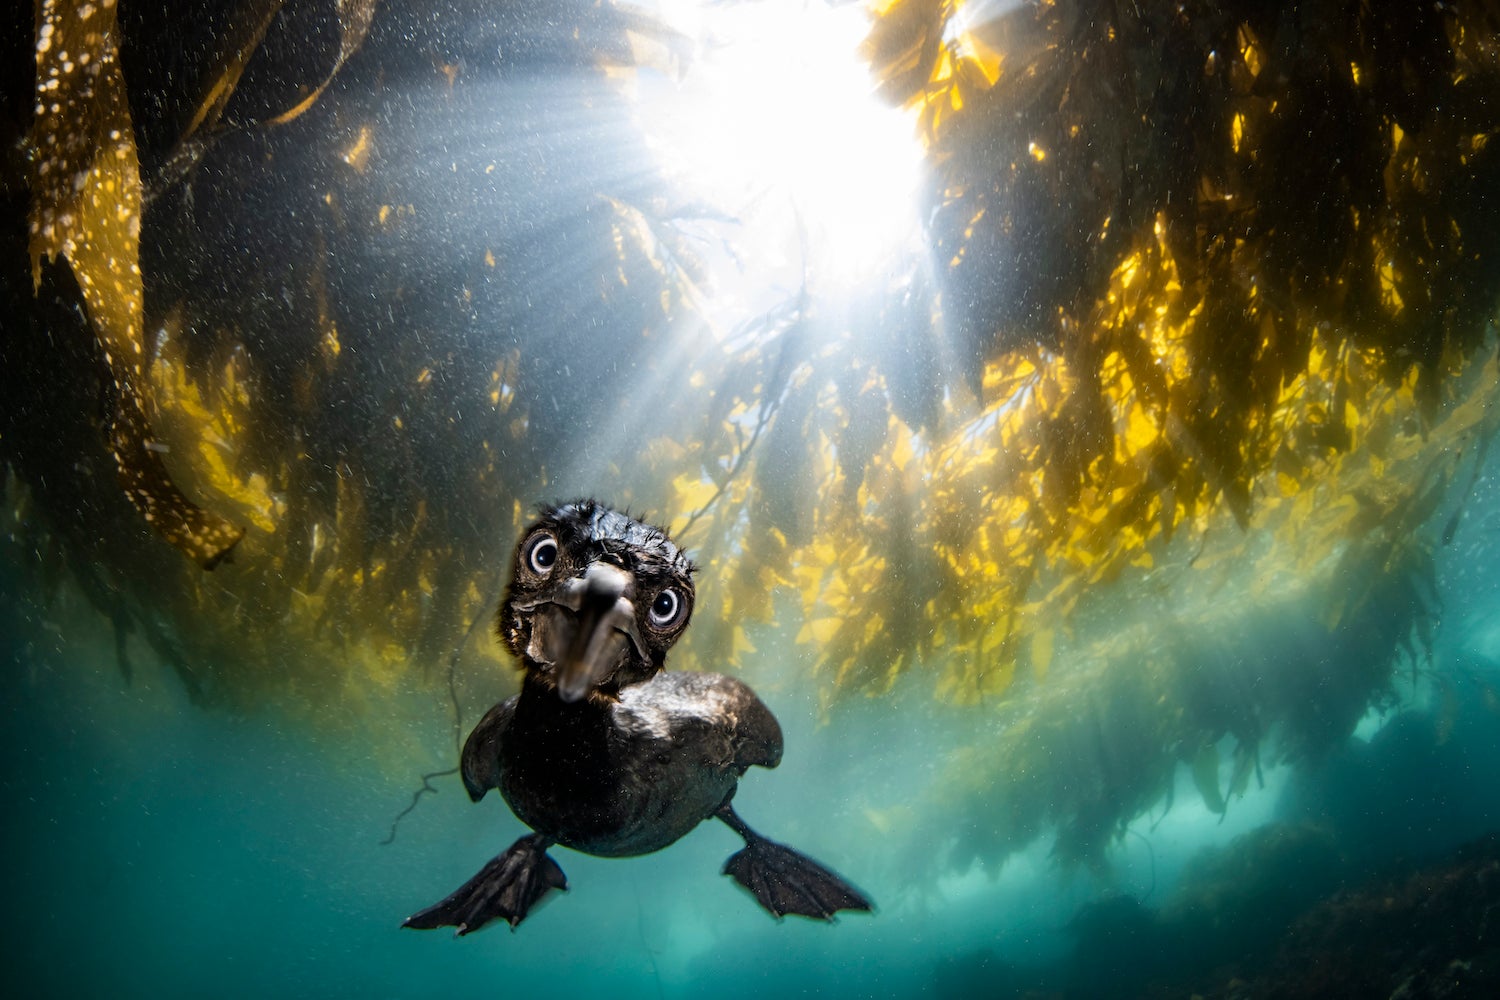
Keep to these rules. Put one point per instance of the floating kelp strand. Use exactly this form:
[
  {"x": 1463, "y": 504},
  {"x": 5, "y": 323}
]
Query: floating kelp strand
[
  {"x": 205, "y": 129},
  {"x": 354, "y": 24}
]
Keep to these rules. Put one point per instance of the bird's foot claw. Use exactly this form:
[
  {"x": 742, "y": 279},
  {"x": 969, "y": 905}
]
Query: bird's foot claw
[
  {"x": 507, "y": 888},
  {"x": 784, "y": 881}
]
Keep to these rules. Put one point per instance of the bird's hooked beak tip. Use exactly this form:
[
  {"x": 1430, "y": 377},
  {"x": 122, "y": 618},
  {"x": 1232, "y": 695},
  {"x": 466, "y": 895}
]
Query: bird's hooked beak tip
[
  {"x": 605, "y": 624},
  {"x": 574, "y": 680}
]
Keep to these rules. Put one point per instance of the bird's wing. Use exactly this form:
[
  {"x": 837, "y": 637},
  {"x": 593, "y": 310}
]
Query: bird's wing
[
  {"x": 480, "y": 764},
  {"x": 716, "y": 713},
  {"x": 756, "y": 733}
]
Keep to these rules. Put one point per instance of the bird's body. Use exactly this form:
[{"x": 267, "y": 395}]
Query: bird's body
[
  {"x": 625, "y": 776},
  {"x": 603, "y": 751}
]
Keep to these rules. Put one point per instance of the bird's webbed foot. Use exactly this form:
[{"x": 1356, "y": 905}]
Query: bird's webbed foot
[
  {"x": 786, "y": 881},
  {"x": 507, "y": 888}
]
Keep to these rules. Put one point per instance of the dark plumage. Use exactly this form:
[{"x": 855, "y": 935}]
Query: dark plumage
[{"x": 602, "y": 751}]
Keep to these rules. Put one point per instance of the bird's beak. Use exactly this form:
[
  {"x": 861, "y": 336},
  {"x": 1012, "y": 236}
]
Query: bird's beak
[{"x": 605, "y": 622}]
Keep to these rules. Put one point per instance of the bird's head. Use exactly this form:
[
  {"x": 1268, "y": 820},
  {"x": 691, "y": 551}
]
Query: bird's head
[{"x": 596, "y": 599}]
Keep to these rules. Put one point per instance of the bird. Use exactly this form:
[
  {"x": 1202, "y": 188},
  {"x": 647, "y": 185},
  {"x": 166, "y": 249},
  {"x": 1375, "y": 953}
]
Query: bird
[{"x": 603, "y": 750}]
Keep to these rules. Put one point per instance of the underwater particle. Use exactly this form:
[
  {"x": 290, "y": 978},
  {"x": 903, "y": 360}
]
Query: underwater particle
[
  {"x": 358, "y": 153},
  {"x": 603, "y": 751}
]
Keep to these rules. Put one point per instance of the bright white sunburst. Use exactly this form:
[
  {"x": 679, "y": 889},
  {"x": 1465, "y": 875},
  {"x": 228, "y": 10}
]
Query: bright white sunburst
[{"x": 774, "y": 125}]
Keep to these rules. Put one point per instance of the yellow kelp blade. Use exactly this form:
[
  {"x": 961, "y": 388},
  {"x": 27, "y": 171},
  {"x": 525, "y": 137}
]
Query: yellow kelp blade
[{"x": 86, "y": 205}]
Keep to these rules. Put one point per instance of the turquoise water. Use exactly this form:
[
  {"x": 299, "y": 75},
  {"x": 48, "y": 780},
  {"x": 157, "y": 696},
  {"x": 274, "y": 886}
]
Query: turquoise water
[
  {"x": 194, "y": 851},
  {"x": 160, "y": 849}
]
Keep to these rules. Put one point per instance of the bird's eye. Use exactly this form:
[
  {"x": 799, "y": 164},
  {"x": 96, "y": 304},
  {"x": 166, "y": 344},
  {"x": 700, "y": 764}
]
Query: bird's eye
[
  {"x": 667, "y": 609},
  {"x": 542, "y": 555}
]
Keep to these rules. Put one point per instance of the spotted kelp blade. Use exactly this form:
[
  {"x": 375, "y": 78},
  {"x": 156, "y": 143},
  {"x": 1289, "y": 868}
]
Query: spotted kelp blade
[{"x": 86, "y": 205}]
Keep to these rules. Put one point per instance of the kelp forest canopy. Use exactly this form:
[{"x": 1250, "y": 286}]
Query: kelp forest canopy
[{"x": 307, "y": 304}]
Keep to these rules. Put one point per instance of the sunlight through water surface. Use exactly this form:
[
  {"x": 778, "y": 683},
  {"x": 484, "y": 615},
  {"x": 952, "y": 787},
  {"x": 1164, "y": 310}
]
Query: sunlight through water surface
[{"x": 774, "y": 134}]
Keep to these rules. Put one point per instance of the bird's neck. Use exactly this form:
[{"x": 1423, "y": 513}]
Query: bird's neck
[
  {"x": 567, "y": 743},
  {"x": 539, "y": 698}
]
